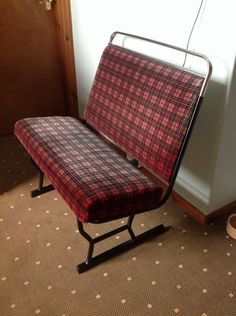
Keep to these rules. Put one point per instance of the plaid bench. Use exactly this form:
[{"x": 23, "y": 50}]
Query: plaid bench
[
  {"x": 97, "y": 183},
  {"x": 145, "y": 107}
]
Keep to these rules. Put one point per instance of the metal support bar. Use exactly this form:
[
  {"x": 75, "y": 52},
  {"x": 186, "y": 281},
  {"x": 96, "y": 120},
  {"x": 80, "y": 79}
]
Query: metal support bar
[
  {"x": 41, "y": 178},
  {"x": 130, "y": 230},
  {"x": 133, "y": 242},
  {"x": 41, "y": 189}
]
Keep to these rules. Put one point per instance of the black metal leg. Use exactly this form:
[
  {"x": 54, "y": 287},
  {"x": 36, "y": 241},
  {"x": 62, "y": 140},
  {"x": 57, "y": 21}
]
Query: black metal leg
[
  {"x": 89, "y": 239},
  {"x": 133, "y": 242},
  {"x": 41, "y": 178},
  {"x": 41, "y": 189},
  {"x": 130, "y": 230}
]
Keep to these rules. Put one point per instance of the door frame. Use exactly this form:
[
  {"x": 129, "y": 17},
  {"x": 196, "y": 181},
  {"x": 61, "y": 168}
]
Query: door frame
[{"x": 62, "y": 11}]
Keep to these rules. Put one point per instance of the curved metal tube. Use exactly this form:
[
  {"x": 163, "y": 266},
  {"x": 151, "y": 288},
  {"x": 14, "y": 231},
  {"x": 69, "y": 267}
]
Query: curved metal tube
[{"x": 186, "y": 51}]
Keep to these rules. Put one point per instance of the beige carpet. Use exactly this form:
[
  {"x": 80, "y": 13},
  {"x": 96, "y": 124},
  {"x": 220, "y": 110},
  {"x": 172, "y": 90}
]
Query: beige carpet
[{"x": 189, "y": 271}]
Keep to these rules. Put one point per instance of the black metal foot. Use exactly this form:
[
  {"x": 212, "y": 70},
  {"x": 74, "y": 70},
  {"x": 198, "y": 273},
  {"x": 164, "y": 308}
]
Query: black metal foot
[
  {"x": 42, "y": 190},
  {"x": 133, "y": 242}
]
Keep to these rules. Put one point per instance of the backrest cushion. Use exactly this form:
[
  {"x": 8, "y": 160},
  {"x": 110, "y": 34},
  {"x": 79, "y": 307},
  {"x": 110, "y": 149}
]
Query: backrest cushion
[{"x": 143, "y": 105}]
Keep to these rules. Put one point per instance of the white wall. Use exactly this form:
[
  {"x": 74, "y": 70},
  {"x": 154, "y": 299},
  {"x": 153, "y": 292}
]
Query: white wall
[
  {"x": 204, "y": 179},
  {"x": 208, "y": 177},
  {"x": 224, "y": 184},
  {"x": 95, "y": 21}
]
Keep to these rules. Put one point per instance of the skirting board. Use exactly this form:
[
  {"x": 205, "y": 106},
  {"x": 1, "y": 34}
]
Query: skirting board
[{"x": 198, "y": 215}]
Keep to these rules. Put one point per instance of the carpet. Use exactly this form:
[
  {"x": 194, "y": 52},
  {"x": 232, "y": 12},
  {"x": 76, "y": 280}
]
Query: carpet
[{"x": 190, "y": 270}]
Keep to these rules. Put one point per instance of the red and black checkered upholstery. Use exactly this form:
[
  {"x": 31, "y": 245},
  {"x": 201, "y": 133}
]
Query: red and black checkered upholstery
[
  {"x": 96, "y": 182},
  {"x": 144, "y": 106}
]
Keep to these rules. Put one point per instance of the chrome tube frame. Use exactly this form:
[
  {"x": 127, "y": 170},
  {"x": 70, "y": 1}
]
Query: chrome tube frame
[{"x": 183, "y": 50}]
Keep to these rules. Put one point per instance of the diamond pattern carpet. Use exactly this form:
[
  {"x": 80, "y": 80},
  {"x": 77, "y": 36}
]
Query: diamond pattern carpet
[{"x": 190, "y": 270}]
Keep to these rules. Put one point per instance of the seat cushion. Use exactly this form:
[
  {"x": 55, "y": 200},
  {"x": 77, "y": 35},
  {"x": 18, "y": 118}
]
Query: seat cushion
[{"x": 97, "y": 183}]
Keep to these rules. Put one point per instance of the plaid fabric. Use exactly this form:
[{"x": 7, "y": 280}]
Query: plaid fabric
[
  {"x": 144, "y": 106},
  {"x": 96, "y": 182}
]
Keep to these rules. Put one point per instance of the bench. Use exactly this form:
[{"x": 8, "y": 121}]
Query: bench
[{"x": 142, "y": 106}]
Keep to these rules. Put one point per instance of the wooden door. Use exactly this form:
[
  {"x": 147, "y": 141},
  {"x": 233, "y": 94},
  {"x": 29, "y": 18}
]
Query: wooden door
[{"x": 33, "y": 79}]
